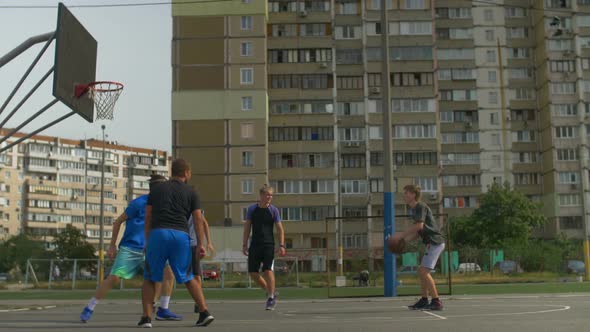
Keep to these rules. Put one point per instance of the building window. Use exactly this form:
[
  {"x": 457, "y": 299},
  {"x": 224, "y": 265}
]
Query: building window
[
  {"x": 247, "y": 130},
  {"x": 492, "y": 76},
  {"x": 488, "y": 15},
  {"x": 246, "y": 48},
  {"x": 247, "y": 158},
  {"x": 491, "y": 56},
  {"x": 247, "y": 186},
  {"x": 490, "y": 35},
  {"x": 493, "y": 97},
  {"x": 246, "y": 76},
  {"x": 415, "y": 4},
  {"x": 353, "y": 186},
  {"x": 495, "y": 139},
  {"x": 349, "y": 82},
  {"x": 569, "y": 200},
  {"x": 571, "y": 222},
  {"x": 494, "y": 118},
  {"x": 353, "y": 160},
  {"x": 247, "y": 103},
  {"x": 566, "y": 132},
  {"x": 567, "y": 154},
  {"x": 569, "y": 177},
  {"x": 246, "y": 23}
]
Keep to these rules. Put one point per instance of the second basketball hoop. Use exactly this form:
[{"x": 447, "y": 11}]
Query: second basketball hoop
[{"x": 104, "y": 94}]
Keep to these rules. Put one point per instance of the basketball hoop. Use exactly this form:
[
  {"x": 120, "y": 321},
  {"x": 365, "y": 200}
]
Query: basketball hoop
[{"x": 104, "y": 94}]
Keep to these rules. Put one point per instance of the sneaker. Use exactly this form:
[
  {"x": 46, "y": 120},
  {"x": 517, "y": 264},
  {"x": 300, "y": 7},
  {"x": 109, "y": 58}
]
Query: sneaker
[
  {"x": 435, "y": 304},
  {"x": 421, "y": 304},
  {"x": 86, "y": 315},
  {"x": 145, "y": 322},
  {"x": 166, "y": 314},
  {"x": 271, "y": 303},
  {"x": 205, "y": 319},
  {"x": 197, "y": 309}
]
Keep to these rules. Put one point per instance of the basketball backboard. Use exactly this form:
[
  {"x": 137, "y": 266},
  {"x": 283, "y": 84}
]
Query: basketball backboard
[{"x": 75, "y": 62}]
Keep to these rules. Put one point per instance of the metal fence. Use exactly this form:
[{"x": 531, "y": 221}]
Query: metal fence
[{"x": 83, "y": 274}]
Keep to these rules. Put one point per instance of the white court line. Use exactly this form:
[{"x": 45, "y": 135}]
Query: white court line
[
  {"x": 435, "y": 315},
  {"x": 14, "y": 310},
  {"x": 563, "y": 308},
  {"x": 27, "y": 309}
]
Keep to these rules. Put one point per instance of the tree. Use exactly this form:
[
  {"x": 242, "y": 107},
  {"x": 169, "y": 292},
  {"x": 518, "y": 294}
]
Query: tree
[
  {"x": 503, "y": 216},
  {"x": 15, "y": 251},
  {"x": 71, "y": 243}
]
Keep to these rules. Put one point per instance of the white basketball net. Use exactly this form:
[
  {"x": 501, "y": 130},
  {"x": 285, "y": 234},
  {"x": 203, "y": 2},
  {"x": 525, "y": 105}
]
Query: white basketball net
[{"x": 105, "y": 95}]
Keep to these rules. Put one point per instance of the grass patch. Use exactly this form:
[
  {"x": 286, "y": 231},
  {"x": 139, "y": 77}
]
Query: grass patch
[{"x": 310, "y": 293}]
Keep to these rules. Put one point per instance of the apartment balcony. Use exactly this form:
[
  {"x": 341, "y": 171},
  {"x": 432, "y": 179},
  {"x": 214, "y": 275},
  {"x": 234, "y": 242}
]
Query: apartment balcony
[{"x": 301, "y": 146}]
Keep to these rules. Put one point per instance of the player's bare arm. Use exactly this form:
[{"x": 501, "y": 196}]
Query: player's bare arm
[
  {"x": 247, "y": 229},
  {"x": 281, "y": 232},
  {"x": 116, "y": 228}
]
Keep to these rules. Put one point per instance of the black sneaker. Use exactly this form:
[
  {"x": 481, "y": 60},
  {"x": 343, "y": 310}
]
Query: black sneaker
[
  {"x": 205, "y": 319},
  {"x": 421, "y": 304},
  {"x": 197, "y": 309},
  {"x": 145, "y": 322},
  {"x": 435, "y": 305}
]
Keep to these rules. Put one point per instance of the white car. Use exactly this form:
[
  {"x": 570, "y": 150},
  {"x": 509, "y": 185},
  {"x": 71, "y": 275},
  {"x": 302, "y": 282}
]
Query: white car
[{"x": 468, "y": 267}]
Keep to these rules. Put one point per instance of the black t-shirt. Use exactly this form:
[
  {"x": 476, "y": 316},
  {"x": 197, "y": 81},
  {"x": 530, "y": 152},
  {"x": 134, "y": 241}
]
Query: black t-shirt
[
  {"x": 172, "y": 204},
  {"x": 263, "y": 221}
]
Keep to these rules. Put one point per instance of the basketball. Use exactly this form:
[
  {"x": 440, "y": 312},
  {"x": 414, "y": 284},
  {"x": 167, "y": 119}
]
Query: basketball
[{"x": 395, "y": 245}]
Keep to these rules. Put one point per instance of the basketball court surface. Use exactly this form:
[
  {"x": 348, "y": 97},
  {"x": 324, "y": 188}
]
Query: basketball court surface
[{"x": 566, "y": 312}]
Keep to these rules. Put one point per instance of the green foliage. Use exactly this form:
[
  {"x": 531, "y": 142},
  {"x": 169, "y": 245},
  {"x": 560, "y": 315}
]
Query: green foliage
[
  {"x": 15, "y": 251},
  {"x": 71, "y": 243},
  {"x": 503, "y": 216}
]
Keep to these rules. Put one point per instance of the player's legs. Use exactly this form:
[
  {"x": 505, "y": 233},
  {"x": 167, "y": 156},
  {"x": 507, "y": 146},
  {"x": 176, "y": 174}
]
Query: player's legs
[
  {"x": 424, "y": 276},
  {"x": 180, "y": 258},
  {"x": 255, "y": 257},
  {"x": 127, "y": 263},
  {"x": 269, "y": 276},
  {"x": 156, "y": 257},
  {"x": 106, "y": 286},
  {"x": 268, "y": 269},
  {"x": 429, "y": 260},
  {"x": 200, "y": 304},
  {"x": 163, "y": 293}
]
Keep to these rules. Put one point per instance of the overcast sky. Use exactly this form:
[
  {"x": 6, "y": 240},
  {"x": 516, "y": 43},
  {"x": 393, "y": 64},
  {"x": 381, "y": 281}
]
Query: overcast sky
[{"x": 133, "y": 48}]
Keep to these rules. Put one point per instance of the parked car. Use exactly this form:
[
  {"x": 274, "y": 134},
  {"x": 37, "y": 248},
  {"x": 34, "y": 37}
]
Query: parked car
[
  {"x": 281, "y": 267},
  {"x": 3, "y": 277},
  {"x": 411, "y": 269},
  {"x": 509, "y": 267},
  {"x": 468, "y": 267},
  {"x": 210, "y": 272},
  {"x": 577, "y": 267}
]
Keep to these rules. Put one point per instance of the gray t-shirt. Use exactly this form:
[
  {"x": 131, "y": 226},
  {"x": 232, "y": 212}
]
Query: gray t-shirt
[
  {"x": 431, "y": 233},
  {"x": 191, "y": 230}
]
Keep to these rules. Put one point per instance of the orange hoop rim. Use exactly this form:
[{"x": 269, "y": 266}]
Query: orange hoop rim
[{"x": 95, "y": 86}]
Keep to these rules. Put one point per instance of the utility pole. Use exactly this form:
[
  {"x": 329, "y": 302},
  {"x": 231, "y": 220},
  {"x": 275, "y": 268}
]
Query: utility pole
[{"x": 101, "y": 238}]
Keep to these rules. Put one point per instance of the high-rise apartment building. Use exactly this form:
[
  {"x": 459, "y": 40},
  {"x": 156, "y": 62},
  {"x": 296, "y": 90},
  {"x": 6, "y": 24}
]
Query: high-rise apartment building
[
  {"x": 288, "y": 92},
  {"x": 48, "y": 182}
]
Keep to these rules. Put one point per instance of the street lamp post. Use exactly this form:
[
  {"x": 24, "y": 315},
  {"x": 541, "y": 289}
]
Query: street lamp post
[
  {"x": 101, "y": 238},
  {"x": 388, "y": 200}
]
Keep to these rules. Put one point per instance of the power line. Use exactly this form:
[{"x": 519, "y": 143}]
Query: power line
[
  {"x": 145, "y": 4},
  {"x": 138, "y": 4}
]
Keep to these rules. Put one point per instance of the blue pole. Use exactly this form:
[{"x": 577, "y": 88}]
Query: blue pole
[{"x": 389, "y": 258}]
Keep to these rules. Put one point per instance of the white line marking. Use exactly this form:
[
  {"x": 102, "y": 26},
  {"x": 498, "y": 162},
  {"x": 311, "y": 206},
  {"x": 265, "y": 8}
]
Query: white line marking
[
  {"x": 563, "y": 308},
  {"x": 27, "y": 309},
  {"x": 15, "y": 310},
  {"x": 435, "y": 315}
]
